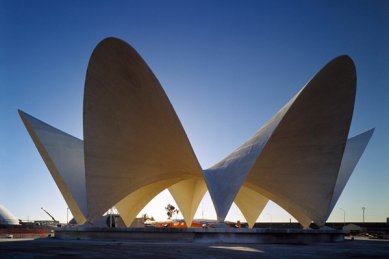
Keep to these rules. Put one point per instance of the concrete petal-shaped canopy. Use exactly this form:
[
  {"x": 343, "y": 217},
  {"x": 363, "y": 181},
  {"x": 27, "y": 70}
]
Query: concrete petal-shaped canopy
[
  {"x": 135, "y": 147},
  {"x": 299, "y": 166},
  {"x": 188, "y": 195},
  {"x": 225, "y": 179},
  {"x": 64, "y": 157},
  {"x": 250, "y": 203},
  {"x": 295, "y": 158},
  {"x": 132, "y": 135},
  {"x": 132, "y": 204},
  {"x": 354, "y": 149}
]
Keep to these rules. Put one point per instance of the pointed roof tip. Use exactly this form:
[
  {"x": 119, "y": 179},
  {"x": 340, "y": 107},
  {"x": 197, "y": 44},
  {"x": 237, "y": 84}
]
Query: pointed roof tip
[
  {"x": 109, "y": 44},
  {"x": 26, "y": 118},
  {"x": 345, "y": 60},
  {"x": 343, "y": 57},
  {"x": 22, "y": 114},
  {"x": 368, "y": 132},
  {"x": 341, "y": 68},
  {"x": 111, "y": 40}
]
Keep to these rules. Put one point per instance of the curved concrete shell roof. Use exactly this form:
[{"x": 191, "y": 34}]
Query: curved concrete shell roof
[
  {"x": 354, "y": 149},
  {"x": 135, "y": 147},
  {"x": 251, "y": 203},
  {"x": 142, "y": 141},
  {"x": 226, "y": 177},
  {"x": 64, "y": 157},
  {"x": 132, "y": 204},
  {"x": 299, "y": 166},
  {"x": 294, "y": 160},
  {"x": 132, "y": 135}
]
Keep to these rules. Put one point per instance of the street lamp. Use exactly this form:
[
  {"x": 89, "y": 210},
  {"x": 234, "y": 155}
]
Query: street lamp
[
  {"x": 344, "y": 215},
  {"x": 67, "y": 216},
  {"x": 363, "y": 214}
]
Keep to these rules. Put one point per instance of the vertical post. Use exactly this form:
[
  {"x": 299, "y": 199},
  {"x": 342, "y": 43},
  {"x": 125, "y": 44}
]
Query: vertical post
[
  {"x": 344, "y": 215},
  {"x": 67, "y": 216},
  {"x": 363, "y": 214}
]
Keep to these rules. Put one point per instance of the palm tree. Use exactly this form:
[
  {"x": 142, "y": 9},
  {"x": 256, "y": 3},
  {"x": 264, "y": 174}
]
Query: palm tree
[{"x": 171, "y": 210}]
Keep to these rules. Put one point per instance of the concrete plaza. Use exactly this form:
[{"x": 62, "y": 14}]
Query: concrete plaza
[{"x": 51, "y": 247}]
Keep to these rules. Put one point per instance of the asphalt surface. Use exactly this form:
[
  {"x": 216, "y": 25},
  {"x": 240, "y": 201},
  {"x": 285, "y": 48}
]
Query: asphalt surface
[{"x": 54, "y": 248}]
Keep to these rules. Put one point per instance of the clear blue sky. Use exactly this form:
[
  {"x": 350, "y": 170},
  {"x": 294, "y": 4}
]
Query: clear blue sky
[{"x": 227, "y": 67}]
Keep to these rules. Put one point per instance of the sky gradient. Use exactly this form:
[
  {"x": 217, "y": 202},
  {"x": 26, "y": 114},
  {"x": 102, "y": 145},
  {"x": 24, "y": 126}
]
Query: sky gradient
[{"x": 226, "y": 66}]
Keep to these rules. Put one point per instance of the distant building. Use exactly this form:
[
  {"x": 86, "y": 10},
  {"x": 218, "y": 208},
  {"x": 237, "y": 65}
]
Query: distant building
[{"x": 6, "y": 217}]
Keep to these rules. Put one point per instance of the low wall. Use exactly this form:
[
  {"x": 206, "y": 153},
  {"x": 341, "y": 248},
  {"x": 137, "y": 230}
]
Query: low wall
[{"x": 209, "y": 235}]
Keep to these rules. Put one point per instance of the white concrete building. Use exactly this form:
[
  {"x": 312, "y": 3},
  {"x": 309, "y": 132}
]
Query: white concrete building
[{"x": 135, "y": 146}]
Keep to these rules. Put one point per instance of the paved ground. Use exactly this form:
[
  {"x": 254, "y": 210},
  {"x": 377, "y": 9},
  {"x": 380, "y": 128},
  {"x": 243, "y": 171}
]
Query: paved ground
[{"x": 46, "y": 248}]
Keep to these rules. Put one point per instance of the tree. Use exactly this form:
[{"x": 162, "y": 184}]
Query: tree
[
  {"x": 171, "y": 210},
  {"x": 147, "y": 217}
]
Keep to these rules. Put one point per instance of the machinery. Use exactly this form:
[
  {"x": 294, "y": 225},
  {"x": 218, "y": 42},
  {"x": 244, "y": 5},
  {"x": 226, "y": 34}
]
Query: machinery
[{"x": 55, "y": 222}]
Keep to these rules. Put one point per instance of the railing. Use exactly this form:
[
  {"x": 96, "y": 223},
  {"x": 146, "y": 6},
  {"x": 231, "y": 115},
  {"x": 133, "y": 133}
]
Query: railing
[{"x": 26, "y": 235}]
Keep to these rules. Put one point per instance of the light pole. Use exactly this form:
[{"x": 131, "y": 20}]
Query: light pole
[
  {"x": 363, "y": 214},
  {"x": 67, "y": 216},
  {"x": 344, "y": 215}
]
